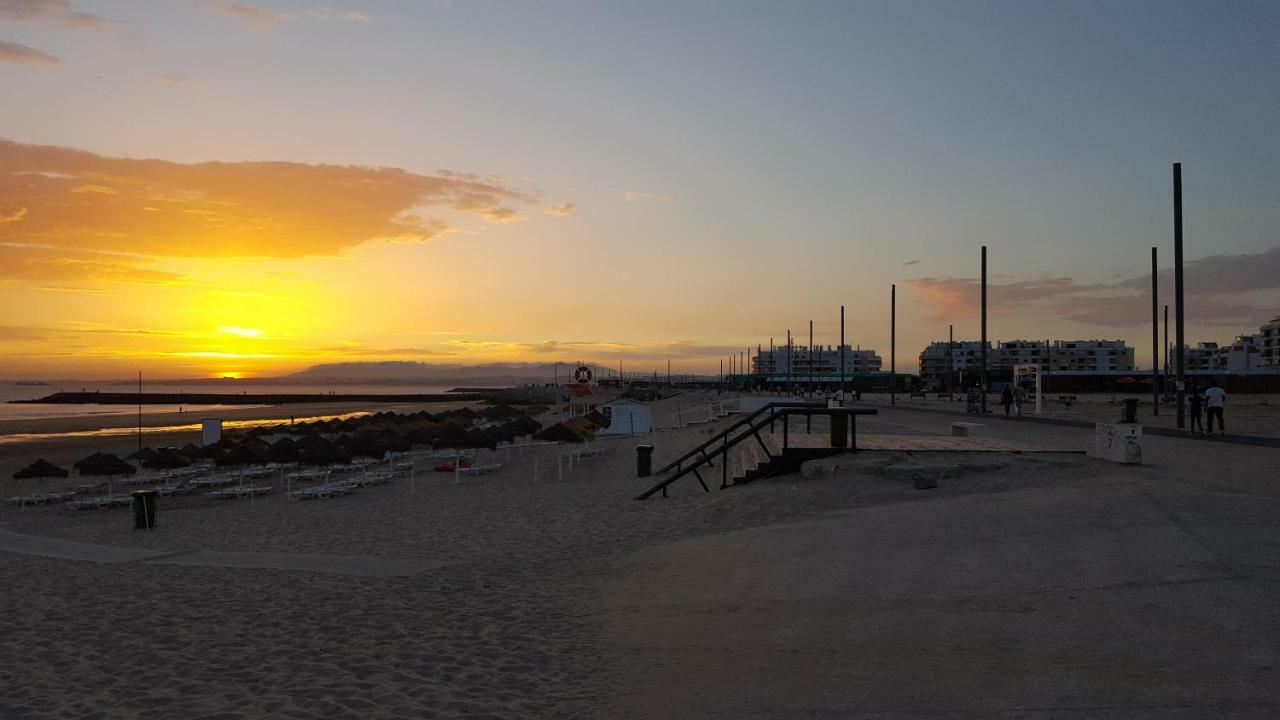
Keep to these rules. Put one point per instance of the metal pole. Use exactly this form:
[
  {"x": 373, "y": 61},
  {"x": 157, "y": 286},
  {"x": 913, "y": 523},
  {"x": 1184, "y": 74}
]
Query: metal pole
[
  {"x": 893, "y": 344},
  {"x": 1155, "y": 337},
  {"x": 1164, "y": 377},
  {"x": 842, "y": 387},
  {"x": 982, "y": 378},
  {"x": 788, "y": 361},
  {"x": 810, "y": 388},
  {"x": 1179, "y": 309},
  {"x": 139, "y": 411},
  {"x": 951, "y": 358}
]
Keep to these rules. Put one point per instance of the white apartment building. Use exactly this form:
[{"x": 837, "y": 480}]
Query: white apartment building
[
  {"x": 1269, "y": 344},
  {"x": 1088, "y": 356},
  {"x": 1056, "y": 356},
  {"x": 1201, "y": 357},
  {"x": 796, "y": 361},
  {"x": 963, "y": 356}
]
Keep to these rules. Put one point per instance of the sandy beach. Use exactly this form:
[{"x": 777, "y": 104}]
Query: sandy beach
[{"x": 1010, "y": 592}]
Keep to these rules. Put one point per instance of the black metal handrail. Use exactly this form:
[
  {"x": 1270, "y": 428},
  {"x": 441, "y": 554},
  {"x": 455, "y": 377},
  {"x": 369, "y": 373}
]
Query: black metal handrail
[
  {"x": 753, "y": 427},
  {"x": 737, "y": 424}
]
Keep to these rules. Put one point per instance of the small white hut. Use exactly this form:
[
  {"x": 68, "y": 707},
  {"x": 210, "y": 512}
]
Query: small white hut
[{"x": 626, "y": 417}]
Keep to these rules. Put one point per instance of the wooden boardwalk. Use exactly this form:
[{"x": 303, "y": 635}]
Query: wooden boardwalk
[{"x": 916, "y": 443}]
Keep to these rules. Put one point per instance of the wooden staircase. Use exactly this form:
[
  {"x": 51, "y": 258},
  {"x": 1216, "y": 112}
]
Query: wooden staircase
[{"x": 748, "y": 460}]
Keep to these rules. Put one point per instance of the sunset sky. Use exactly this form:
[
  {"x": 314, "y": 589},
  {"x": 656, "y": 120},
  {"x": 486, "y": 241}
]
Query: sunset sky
[{"x": 210, "y": 187}]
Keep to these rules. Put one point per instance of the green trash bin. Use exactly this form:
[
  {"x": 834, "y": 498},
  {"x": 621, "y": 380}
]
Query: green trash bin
[
  {"x": 839, "y": 430},
  {"x": 644, "y": 460},
  {"x": 144, "y": 509}
]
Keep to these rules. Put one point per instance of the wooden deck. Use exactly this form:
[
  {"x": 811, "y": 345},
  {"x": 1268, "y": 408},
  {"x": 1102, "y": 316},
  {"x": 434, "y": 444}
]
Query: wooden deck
[{"x": 916, "y": 443}]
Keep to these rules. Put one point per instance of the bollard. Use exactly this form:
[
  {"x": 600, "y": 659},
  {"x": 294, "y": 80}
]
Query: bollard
[
  {"x": 144, "y": 509},
  {"x": 839, "y": 430},
  {"x": 1130, "y": 413},
  {"x": 644, "y": 460}
]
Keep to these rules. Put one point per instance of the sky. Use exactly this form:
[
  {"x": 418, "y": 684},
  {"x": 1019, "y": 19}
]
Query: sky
[{"x": 213, "y": 187}]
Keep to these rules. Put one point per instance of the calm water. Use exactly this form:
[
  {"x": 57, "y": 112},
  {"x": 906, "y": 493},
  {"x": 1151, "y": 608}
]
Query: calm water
[{"x": 9, "y": 391}]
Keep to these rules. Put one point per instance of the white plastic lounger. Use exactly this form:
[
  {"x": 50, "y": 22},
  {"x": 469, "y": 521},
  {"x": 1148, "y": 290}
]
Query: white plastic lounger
[
  {"x": 241, "y": 491},
  {"x": 480, "y": 469},
  {"x": 101, "y": 502}
]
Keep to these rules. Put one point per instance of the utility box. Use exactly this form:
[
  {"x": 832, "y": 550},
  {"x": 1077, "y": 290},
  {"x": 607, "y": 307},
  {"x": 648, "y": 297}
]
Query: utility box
[
  {"x": 210, "y": 431},
  {"x": 1118, "y": 442}
]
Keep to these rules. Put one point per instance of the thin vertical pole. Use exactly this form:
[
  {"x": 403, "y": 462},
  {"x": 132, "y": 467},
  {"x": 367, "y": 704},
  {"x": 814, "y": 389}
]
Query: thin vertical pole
[
  {"x": 1164, "y": 378},
  {"x": 1155, "y": 336},
  {"x": 1179, "y": 310},
  {"x": 982, "y": 379},
  {"x": 810, "y": 356},
  {"x": 721, "y": 369},
  {"x": 951, "y": 358},
  {"x": 139, "y": 411},
  {"x": 788, "y": 360},
  {"x": 842, "y": 387},
  {"x": 893, "y": 344}
]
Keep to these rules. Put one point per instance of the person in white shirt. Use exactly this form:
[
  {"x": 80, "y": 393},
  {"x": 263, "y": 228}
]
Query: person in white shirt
[{"x": 1215, "y": 399}]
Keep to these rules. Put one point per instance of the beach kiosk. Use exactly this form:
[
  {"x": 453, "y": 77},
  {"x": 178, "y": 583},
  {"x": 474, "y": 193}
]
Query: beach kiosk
[
  {"x": 626, "y": 417},
  {"x": 210, "y": 431}
]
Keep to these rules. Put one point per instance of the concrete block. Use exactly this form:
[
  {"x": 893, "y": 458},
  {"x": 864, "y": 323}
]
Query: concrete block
[
  {"x": 1118, "y": 442},
  {"x": 819, "y": 469},
  {"x": 968, "y": 429}
]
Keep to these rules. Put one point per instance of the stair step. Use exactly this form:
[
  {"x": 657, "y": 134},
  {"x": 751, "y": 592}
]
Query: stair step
[
  {"x": 746, "y": 458},
  {"x": 773, "y": 441}
]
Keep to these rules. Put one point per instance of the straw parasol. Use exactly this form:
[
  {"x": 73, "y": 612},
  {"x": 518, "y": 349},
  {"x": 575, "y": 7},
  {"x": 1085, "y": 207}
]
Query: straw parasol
[
  {"x": 40, "y": 469},
  {"x": 166, "y": 459},
  {"x": 323, "y": 452},
  {"x": 142, "y": 455},
  {"x": 104, "y": 464}
]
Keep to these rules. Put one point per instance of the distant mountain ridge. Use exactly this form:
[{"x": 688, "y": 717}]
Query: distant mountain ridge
[{"x": 410, "y": 371}]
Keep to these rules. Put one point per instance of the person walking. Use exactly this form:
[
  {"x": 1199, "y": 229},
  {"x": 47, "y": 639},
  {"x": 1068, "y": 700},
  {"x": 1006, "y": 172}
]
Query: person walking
[
  {"x": 1019, "y": 397},
  {"x": 1006, "y": 398},
  {"x": 1215, "y": 399},
  {"x": 1197, "y": 403}
]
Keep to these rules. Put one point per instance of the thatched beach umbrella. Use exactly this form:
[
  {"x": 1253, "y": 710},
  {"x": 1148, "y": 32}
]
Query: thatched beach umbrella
[
  {"x": 104, "y": 464},
  {"x": 283, "y": 450},
  {"x": 142, "y": 455},
  {"x": 40, "y": 469},
  {"x": 238, "y": 455},
  {"x": 327, "y": 453},
  {"x": 166, "y": 459},
  {"x": 561, "y": 432}
]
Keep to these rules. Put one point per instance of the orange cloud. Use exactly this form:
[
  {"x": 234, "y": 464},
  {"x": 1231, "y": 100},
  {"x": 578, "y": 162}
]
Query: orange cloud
[
  {"x": 57, "y": 11},
  {"x": 265, "y": 18},
  {"x": 24, "y": 55},
  {"x": 81, "y": 201},
  {"x": 26, "y": 263}
]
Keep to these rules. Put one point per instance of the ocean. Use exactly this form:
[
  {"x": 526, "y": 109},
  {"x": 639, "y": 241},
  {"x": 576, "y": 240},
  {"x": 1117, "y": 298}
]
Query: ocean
[{"x": 11, "y": 391}]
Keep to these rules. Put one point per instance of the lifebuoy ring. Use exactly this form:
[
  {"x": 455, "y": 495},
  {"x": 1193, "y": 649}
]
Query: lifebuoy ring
[{"x": 582, "y": 374}]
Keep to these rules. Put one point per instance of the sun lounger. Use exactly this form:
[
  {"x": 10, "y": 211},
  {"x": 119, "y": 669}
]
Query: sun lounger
[
  {"x": 178, "y": 488},
  {"x": 101, "y": 502},
  {"x": 39, "y": 498},
  {"x": 216, "y": 481},
  {"x": 480, "y": 469},
  {"x": 322, "y": 492},
  {"x": 241, "y": 491}
]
